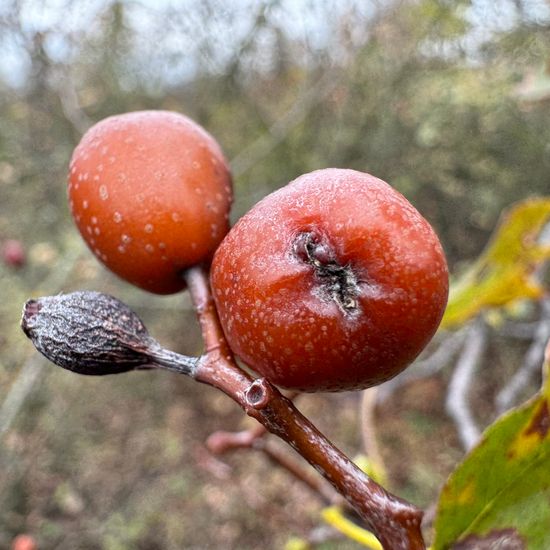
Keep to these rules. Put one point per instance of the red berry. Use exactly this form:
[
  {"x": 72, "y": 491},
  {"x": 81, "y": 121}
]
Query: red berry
[
  {"x": 334, "y": 282},
  {"x": 13, "y": 253},
  {"x": 150, "y": 193},
  {"x": 24, "y": 542}
]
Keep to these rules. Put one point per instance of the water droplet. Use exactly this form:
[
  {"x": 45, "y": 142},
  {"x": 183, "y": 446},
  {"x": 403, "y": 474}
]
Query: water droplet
[
  {"x": 117, "y": 217},
  {"x": 126, "y": 239},
  {"x": 97, "y": 230},
  {"x": 162, "y": 246},
  {"x": 100, "y": 167},
  {"x": 149, "y": 248},
  {"x": 176, "y": 217},
  {"x": 85, "y": 204},
  {"x": 103, "y": 193},
  {"x": 94, "y": 220},
  {"x": 121, "y": 249},
  {"x": 148, "y": 228}
]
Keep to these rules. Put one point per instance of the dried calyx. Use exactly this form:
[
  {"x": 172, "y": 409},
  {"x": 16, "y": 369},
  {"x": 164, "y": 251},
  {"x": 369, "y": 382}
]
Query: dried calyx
[
  {"x": 96, "y": 334},
  {"x": 339, "y": 282}
]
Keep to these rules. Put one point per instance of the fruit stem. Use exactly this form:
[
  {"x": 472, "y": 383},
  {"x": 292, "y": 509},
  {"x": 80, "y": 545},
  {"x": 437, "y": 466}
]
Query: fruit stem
[{"x": 395, "y": 522}]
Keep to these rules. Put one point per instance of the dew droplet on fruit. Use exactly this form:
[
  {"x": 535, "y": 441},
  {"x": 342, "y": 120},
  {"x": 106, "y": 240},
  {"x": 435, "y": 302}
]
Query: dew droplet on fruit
[
  {"x": 176, "y": 217},
  {"x": 162, "y": 246},
  {"x": 149, "y": 248},
  {"x": 97, "y": 231},
  {"x": 103, "y": 192},
  {"x": 89, "y": 230},
  {"x": 100, "y": 167},
  {"x": 117, "y": 217},
  {"x": 148, "y": 228},
  {"x": 126, "y": 239},
  {"x": 94, "y": 220},
  {"x": 121, "y": 249}
]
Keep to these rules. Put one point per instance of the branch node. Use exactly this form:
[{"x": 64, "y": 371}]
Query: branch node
[{"x": 258, "y": 395}]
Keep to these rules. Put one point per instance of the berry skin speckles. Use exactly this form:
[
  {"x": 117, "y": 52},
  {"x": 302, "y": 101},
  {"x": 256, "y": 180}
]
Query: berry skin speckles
[
  {"x": 150, "y": 192},
  {"x": 335, "y": 282}
]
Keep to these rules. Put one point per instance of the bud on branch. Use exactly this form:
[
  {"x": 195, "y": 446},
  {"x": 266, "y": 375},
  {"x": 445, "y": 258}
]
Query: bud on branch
[{"x": 95, "y": 334}]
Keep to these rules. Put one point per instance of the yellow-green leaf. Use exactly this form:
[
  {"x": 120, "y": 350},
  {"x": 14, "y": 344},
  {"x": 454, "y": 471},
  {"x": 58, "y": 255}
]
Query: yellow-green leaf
[
  {"x": 504, "y": 272},
  {"x": 500, "y": 494}
]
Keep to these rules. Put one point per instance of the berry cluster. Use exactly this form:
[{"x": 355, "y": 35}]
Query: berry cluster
[{"x": 334, "y": 282}]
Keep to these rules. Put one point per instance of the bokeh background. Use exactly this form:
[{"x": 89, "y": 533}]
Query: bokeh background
[{"x": 449, "y": 101}]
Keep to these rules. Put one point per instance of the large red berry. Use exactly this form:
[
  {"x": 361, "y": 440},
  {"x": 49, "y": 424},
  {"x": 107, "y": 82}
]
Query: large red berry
[
  {"x": 334, "y": 282},
  {"x": 150, "y": 193}
]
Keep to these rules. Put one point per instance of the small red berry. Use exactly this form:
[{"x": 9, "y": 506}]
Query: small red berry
[
  {"x": 13, "y": 253},
  {"x": 334, "y": 282},
  {"x": 24, "y": 542},
  {"x": 150, "y": 193}
]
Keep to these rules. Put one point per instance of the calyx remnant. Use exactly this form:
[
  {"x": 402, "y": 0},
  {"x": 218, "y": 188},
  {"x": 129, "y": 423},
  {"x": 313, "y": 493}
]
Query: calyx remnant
[{"x": 338, "y": 281}]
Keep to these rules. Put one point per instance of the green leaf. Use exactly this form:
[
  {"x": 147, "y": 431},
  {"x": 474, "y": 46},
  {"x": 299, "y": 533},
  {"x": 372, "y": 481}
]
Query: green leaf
[
  {"x": 504, "y": 272},
  {"x": 501, "y": 491}
]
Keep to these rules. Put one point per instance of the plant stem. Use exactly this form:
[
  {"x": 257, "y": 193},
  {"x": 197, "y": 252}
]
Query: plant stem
[{"x": 395, "y": 522}]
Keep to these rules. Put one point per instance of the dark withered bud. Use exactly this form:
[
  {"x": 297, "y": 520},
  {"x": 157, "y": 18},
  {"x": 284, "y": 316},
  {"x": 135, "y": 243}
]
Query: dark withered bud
[{"x": 94, "y": 333}]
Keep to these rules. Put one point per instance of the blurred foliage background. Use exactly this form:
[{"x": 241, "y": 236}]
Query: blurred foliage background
[{"x": 449, "y": 101}]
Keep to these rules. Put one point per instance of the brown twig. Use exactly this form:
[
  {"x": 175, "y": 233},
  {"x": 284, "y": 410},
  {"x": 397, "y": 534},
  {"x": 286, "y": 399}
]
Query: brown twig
[
  {"x": 395, "y": 522},
  {"x": 221, "y": 442}
]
